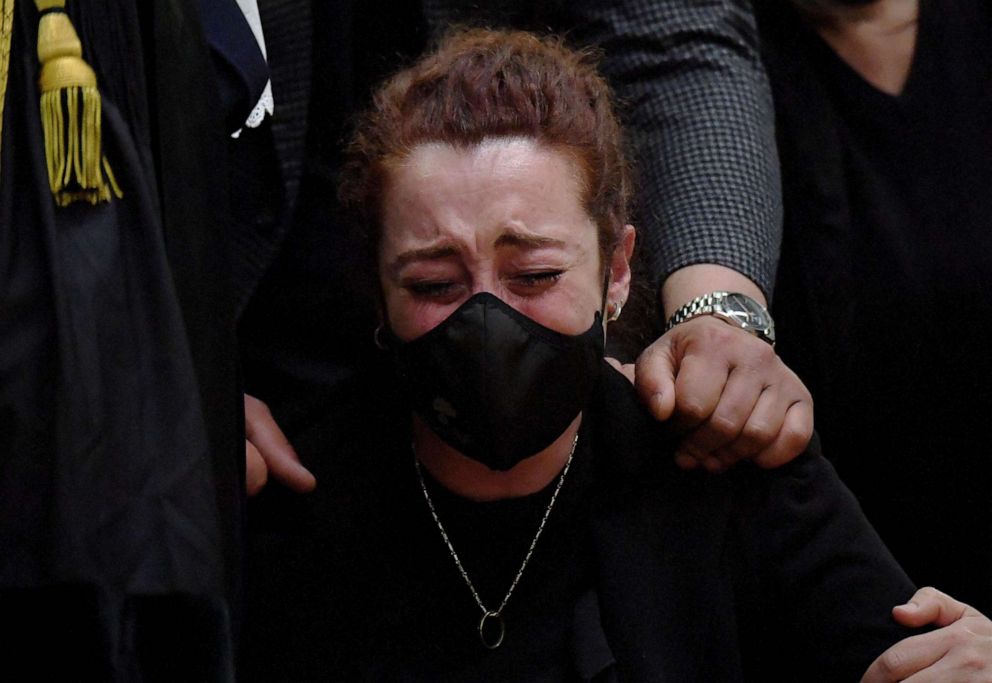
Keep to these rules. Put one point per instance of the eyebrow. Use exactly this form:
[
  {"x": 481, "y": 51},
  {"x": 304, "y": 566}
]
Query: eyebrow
[
  {"x": 512, "y": 238},
  {"x": 439, "y": 251}
]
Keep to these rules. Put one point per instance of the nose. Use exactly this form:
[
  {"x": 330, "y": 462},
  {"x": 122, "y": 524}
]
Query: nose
[{"x": 487, "y": 281}]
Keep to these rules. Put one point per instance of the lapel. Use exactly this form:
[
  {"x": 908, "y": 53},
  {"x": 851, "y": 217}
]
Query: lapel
[{"x": 241, "y": 69}]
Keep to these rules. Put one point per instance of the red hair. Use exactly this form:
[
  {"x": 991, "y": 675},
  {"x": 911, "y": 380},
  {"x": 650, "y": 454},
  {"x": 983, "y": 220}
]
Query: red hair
[{"x": 482, "y": 84}]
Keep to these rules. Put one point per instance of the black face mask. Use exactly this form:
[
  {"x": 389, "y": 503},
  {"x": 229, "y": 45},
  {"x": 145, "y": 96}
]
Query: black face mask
[{"x": 496, "y": 385}]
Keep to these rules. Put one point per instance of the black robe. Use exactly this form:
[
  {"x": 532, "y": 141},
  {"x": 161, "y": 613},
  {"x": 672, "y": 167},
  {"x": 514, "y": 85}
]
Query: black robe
[{"x": 120, "y": 416}]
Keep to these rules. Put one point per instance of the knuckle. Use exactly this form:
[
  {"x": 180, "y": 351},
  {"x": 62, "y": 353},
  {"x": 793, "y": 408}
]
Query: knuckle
[
  {"x": 974, "y": 660},
  {"x": 744, "y": 448},
  {"x": 693, "y": 409},
  {"x": 796, "y": 434},
  {"x": 728, "y": 456},
  {"x": 758, "y": 431},
  {"x": 697, "y": 445},
  {"x": 645, "y": 362},
  {"x": 890, "y": 663},
  {"x": 713, "y": 464},
  {"x": 765, "y": 355},
  {"x": 655, "y": 353},
  {"x": 725, "y": 426}
]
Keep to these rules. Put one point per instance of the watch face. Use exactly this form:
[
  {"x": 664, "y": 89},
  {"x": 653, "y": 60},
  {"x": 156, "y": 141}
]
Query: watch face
[{"x": 749, "y": 314}]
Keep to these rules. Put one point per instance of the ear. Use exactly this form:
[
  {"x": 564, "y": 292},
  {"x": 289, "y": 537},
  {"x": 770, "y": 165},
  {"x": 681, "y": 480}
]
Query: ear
[{"x": 619, "y": 288}]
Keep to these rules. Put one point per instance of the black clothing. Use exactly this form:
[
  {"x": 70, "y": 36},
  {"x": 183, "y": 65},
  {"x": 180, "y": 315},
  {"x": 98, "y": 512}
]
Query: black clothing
[
  {"x": 120, "y": 436},
  {"x": 883, "y": 304},
  {"x": 644, "y": 572}
]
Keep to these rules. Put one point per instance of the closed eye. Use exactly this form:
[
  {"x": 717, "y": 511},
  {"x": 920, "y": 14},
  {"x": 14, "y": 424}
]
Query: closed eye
[
  {"x": 430, "y": 289},
  {"x": 537, "y": 279}
]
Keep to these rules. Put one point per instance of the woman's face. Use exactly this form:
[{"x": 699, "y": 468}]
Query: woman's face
[{"x": 504, "y": 217}]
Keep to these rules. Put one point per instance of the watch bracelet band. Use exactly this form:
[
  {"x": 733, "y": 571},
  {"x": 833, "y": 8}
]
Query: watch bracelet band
[{"x": 701, "y": 305}]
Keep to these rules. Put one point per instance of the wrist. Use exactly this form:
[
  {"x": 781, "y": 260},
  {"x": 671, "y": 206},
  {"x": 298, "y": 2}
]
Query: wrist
[
  {"x": 734, "y": 308},
  {"x": 690, "y": 282}
]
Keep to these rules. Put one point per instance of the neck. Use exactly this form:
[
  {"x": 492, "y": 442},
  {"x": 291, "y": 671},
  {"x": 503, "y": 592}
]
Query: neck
[
  {"x": 473, "y": 480},
  {"x": 877, "y": 40}
]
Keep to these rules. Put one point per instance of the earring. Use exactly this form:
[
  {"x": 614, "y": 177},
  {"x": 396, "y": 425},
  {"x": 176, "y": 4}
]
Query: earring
[
  {"x": 615, "y": 313},
  {"x": 377, "y": 338}
]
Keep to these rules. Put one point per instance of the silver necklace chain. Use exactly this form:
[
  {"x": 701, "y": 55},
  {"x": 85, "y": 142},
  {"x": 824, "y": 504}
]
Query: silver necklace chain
[{"x": 495, "y": 615}]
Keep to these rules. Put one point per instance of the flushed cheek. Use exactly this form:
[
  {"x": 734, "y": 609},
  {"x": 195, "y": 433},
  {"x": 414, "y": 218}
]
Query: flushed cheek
[
  {"x": 410, "y": 319},
  {"x": 567, "y": 315}
]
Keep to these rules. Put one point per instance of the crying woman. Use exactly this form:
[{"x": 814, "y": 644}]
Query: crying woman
[{"x": 498, "y": 507}]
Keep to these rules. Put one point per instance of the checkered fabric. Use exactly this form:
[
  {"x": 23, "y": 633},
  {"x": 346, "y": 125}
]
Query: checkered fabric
[{"x": 697, "y": 105}]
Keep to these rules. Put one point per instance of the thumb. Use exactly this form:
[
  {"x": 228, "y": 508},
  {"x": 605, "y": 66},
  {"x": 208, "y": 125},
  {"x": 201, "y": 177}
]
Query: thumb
[
  {"x": 929, "y": 606},
  {"x": 280, "y": 459},
  {"x": 256, "y": 472},
  {"x": 654, "y": 378}
]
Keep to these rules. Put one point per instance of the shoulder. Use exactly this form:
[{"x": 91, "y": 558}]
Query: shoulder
[
  {"x": 636, "y": 478},
  {"x": 627, "y": 440}
]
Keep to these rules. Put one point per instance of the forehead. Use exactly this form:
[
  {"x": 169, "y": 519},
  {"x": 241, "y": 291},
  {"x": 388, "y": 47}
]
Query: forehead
[
  {"x": 499, "y": 183},
  {"x": 497, "y": 158}
]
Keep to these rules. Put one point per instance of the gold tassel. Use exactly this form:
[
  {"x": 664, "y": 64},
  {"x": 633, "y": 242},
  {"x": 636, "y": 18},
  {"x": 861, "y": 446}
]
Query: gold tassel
[
  {"x": 6, "y": 32},
  {"x": 70, "y": 113}
]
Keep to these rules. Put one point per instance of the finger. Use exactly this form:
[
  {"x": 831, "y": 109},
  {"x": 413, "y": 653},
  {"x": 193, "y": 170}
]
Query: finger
[
  {"x": 256, "y": 473},
  {"x": 715, "y": 461},
  {"x": 929, "y": 606},
  {"x": 763, "y": 424},
  {"x": 625, "y": 369},
  {"x": 686, "y": 462},
  {"x": 735, "y": 405},
  {"x": 654, "y": 377},
  {"x": 907, "y": 657},
  {"x": 280, "y": 458},
  {"x": 792, "y": 439},
  {"x": 698, "y": 387}
]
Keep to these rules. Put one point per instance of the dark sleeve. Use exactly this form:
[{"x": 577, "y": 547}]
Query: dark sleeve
[
  {"x": 699, "y": 110},
  {"x": 816, "y": 600}
]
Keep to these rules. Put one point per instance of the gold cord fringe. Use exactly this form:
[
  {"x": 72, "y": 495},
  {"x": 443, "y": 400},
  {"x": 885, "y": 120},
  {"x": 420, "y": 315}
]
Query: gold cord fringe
[
  {"x": 6, "y": 31},
  {"x": 71, "y": 114}
]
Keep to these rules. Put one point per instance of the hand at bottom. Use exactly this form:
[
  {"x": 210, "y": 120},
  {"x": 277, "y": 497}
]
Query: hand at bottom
[{"x": 960, "y": 651}]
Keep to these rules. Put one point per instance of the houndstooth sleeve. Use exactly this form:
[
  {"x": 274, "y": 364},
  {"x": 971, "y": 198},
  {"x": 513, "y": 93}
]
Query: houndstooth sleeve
[{"x": 698, "y": 108}]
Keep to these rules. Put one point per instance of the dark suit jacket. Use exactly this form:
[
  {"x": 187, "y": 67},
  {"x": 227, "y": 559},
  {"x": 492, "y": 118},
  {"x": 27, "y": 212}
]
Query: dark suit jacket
[{"x": 753, "y": 575}]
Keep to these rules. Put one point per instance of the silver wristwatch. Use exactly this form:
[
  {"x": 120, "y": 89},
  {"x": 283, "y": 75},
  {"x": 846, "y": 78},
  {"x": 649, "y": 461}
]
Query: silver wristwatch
[{"x": 735, "y": 308}]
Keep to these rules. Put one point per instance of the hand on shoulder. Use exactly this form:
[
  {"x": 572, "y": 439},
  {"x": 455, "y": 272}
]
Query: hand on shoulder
[{"x": 729, "y": 391}]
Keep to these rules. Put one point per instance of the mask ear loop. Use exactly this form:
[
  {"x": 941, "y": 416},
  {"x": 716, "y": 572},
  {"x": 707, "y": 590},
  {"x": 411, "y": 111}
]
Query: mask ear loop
[{"x": 606, "y": 291}]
